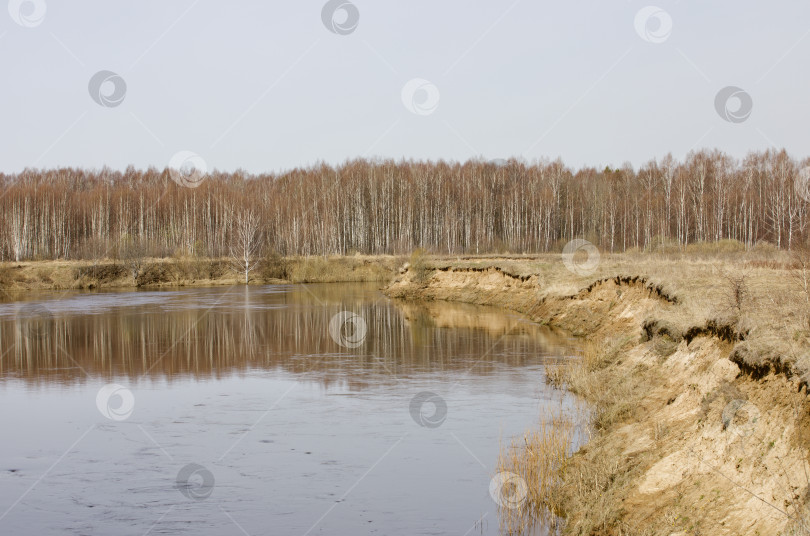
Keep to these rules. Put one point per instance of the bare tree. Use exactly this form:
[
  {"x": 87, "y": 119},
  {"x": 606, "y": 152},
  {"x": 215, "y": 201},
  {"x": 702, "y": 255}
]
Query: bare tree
[
  {"x": 19, "y": 230},
  {"x": 377, "y": 207},
  {"x": 246, "y": 241}
]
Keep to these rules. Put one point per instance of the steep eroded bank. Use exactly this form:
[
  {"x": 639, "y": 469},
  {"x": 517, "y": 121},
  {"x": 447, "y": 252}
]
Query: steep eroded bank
[{"x": 685, "y": 440}]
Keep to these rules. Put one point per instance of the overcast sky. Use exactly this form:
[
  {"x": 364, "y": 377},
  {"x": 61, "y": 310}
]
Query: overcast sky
[{"x": 267, "y": 85}]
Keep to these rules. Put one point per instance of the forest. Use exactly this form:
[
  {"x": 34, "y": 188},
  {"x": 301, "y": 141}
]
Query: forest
[{"x": 394, "y": 207}]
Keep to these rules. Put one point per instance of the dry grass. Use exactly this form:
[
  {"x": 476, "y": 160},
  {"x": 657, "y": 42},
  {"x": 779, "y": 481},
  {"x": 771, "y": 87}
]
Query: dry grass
[
  {"x": 419, "y": 266},
  {"x": 580, "y": 491},
  {"x": 590, "y": 377},
  {"x": 539, "y": 459},
  {"x": 575, "y": 373},
  {"x": 187, "y": 270},
  {"x": 341, "y": 269}
]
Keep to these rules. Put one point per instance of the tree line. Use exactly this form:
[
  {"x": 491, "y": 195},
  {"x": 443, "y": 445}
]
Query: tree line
[{"x": 394, "y": 207}]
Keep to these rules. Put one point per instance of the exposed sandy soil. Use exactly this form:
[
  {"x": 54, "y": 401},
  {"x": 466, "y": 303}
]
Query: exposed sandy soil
[{"x": 708, "y": 446}]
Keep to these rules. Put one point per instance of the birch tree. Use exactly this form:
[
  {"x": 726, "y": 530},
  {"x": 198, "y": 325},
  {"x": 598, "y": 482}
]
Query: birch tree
[{"x": 246, "y": 241}]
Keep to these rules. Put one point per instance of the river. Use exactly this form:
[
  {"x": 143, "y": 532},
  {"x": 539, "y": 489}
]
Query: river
[{"x": 282, "y": 409}]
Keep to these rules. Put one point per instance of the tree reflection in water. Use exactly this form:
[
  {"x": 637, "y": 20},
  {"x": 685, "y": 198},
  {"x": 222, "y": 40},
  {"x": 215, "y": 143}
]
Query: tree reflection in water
[{"x": 215, "y": 332}]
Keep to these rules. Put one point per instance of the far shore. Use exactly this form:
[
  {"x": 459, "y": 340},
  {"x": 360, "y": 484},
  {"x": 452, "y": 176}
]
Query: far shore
[{"x": 192, "y": 272}]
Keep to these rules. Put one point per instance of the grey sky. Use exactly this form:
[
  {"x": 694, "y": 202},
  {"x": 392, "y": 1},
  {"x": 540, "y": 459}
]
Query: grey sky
[{"x": 265, "y": 86}]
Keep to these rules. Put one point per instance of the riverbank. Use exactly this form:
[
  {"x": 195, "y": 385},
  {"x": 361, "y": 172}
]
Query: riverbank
[
  {"x": 192, "y": 272},
  {"x": 697, "y": 373},
  {"x": 697, "y": 369}
]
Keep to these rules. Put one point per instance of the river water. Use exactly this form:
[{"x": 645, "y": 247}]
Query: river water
[{"x": 290, "y": 410}]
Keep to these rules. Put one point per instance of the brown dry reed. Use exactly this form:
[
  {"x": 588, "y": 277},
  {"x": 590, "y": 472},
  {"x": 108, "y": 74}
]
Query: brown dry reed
[{"x": 539, "y": 457}]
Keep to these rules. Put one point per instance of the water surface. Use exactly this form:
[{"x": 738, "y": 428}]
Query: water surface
[{"x": 240, "y": 410}]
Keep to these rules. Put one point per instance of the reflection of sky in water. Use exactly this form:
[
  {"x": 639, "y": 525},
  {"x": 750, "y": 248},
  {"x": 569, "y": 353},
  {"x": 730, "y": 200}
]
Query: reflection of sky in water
[
  {"x": 294, "y": 428},
  {"x": 104, "y": 302}
]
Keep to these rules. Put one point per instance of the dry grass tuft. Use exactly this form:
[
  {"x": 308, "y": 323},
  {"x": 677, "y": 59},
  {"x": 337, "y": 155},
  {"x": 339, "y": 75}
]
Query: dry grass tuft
[
  {"x": 274, "y": 266},
  {"x": 581, "y": 487},
  {"x": 418, "y": 266},
  {"x": 589, "y": 377},
  {"x": 664, "y": 346},
  {"x": 539, "y": 458}
]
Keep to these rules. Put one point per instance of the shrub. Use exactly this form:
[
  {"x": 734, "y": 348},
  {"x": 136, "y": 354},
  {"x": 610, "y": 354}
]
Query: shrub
[
  {"x": 310, "y": 270},
  {"x": 154, "y": 273},
  {"x": 714, "y": 248},
  {"x": 419, "y": 268},
  {"x": 100, "y": 273},
  {"x": 665, "y": 245},
  {"x": 737, "y": 293},
  {"x": 765, "y": 247},
  {"x": 274, "y": 266},
  {"x": 6, "y": 276}
]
